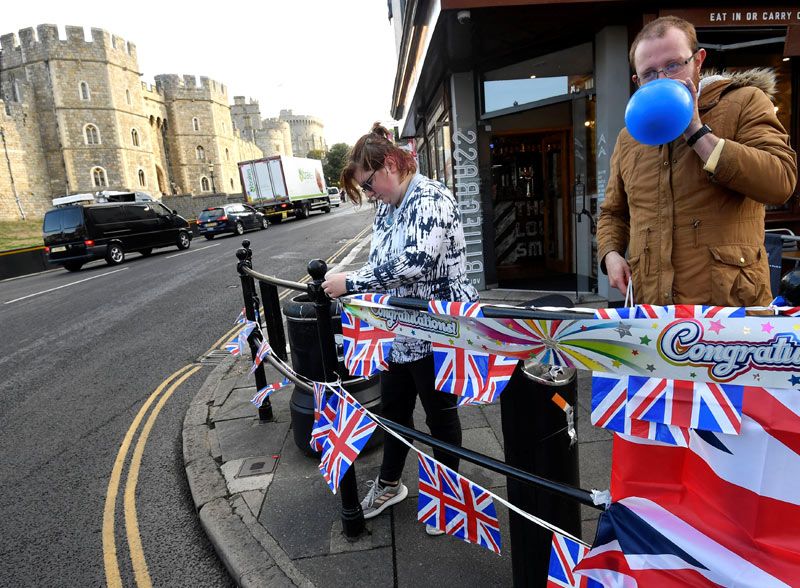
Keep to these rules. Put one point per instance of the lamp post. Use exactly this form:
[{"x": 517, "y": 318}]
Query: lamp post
[{"x": 211, "y": 173}]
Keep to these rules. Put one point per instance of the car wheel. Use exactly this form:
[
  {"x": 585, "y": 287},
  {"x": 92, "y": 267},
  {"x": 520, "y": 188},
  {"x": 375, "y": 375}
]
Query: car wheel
[
  {"x": 264, "y": 222},
  {"x": 73, "y": 266},
  {"x": 115, "y": 255},
  {"x": 209, "y": 236},
  {"x": 183, "y": 240},
  {"x": 146, "y": 252},
  {"x": 239, "y": 228}
]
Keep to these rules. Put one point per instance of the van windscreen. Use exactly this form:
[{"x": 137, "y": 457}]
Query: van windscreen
[{"x": 62, "y": 219}]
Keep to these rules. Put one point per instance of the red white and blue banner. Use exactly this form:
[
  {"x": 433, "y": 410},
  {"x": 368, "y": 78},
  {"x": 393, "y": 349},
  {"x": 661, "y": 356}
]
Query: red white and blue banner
[{"x": 565, "y": 554}]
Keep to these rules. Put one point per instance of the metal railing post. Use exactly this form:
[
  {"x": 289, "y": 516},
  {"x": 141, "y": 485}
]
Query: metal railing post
[
  {"x": 245, "y": 256},
  {"x": 352, "y": 515},
  {"x": 273, "y": 319}
]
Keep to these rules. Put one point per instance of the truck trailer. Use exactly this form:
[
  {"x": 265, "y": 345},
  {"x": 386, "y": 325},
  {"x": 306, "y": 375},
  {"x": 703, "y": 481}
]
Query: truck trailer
[{"x": 280, "y": 186}]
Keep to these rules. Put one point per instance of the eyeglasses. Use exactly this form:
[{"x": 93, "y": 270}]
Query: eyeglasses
[
  {"x": 670, "y": 70},
  {"x": 366, "y": 186}
]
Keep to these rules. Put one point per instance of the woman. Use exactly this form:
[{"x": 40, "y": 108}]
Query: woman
[{"x": 417, "y": 252}]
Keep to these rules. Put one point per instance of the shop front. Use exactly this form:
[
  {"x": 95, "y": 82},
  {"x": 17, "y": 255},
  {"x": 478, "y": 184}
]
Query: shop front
[{"x": 516, "y": 106}]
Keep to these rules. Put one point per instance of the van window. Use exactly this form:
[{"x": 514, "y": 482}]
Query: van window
[
  {"x": 139, "y": 212},
  {"x": 62, "y": 219},
  {"x": 107, "y": 214}
]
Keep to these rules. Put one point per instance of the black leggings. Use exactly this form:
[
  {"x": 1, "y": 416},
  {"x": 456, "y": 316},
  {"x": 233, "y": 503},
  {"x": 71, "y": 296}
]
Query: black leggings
[{"x": 400, "y": 386}]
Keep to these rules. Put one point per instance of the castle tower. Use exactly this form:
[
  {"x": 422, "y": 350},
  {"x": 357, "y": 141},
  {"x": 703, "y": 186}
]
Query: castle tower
[
  {"x": 88, "y": 102},
  {"x": 307, "y": 132}
]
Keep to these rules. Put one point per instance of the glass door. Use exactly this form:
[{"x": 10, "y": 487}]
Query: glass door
[{"x": 557, "y": 210}]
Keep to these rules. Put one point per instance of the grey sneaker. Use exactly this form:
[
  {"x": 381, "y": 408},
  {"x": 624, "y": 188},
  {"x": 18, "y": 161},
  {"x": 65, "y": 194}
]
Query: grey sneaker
[
  {"x": 433, "y": 531},
  {"x": 381, "y": 497}
]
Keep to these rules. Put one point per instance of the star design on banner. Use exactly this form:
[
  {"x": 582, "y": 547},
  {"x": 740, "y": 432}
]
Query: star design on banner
[
  {"x": 746, "y": 330},
  {"x": 756, "y": 376},
  {"x": 623, "y": 330},
  {"x": 796, "y": 327},
  {"x": 615, "y": 363},
  {"x": 716, "y": 326},
  {"x": 767, "y": 327},
  {"x": 794, "y": 380},
  {"x": 413, "y": 332},
  {"x": 635, "y": 352},
  {"x": 645, "y": 340},
  {"x": 651, "y": 367},
  {"x": 451, "y": 341},
  {"x": 469, "y": 341},
  {"x": 692, "y": 375},
  {"x": 655, "y": 325},
  {"x": 583, "y": 327}
]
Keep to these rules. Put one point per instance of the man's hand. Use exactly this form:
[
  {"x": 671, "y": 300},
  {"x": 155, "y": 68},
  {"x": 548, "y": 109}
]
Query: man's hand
[
  {"x": 618, "y": 270},
  {"x": 695, "y": 123},
  {"x": 334, "y": 285}
]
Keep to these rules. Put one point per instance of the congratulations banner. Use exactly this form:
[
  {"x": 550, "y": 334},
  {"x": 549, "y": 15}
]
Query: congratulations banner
[{"x": 751, "y": 350}]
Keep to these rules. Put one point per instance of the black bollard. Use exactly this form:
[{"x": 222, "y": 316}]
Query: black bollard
[
  {"x": 536, "y": 441},
  {"x": 245, "y": 256},
  {"x": 352, "y": 515}
]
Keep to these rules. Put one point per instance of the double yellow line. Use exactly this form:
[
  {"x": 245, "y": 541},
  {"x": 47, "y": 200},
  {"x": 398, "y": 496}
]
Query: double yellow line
[{"x": 160, "y": 396}]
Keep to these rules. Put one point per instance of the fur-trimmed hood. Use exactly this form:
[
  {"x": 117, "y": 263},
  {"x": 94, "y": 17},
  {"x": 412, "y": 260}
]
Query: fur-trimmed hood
[{"x": 763, "y": 78}]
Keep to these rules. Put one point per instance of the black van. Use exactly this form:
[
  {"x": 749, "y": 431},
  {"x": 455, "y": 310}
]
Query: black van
[{"x": 76, "y": 234}]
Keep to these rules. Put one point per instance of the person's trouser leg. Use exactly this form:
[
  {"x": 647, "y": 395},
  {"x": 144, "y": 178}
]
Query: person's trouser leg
[
  {"x": 440, "y": 409},
  {"x": 398, "y": 398}
]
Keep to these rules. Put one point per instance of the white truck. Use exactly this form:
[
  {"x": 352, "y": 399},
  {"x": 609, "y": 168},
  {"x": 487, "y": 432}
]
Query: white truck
[{"x": 280, "y": 185}]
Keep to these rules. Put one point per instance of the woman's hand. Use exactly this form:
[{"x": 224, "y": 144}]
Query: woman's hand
[{"x": 334, "y": 285}]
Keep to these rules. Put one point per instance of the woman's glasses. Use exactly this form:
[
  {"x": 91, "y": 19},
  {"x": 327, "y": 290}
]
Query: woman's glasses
[{"x": 366, "y": 186}]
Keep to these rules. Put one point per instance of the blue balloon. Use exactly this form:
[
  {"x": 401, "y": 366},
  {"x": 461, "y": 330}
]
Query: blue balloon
[{"x": 659, "y": 112}]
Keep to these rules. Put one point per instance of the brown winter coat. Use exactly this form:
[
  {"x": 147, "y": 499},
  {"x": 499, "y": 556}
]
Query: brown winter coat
[{"x": 693, "y": 237}]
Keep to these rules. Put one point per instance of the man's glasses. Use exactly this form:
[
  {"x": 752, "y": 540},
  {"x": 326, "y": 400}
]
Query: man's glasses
[
  {"x": 366, "y": 186},
  {"x": 670, "y": 70}
]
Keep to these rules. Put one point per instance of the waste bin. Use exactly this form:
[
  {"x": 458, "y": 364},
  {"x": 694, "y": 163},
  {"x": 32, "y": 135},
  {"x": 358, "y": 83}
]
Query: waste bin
[
  {"x": 301, "y": 330},
  {"x": 536, "y": 441}
]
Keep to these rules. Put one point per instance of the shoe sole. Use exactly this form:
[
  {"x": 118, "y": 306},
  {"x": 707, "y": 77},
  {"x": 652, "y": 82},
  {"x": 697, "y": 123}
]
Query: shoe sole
[
  {"x": 435, "y": 532},
  {"x": 399, "y": 497}
]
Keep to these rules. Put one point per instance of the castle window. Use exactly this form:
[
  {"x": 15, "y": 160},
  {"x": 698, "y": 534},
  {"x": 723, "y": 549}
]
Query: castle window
[
  {"x": 91, "y": 135},
  {"x": 227, "y": 154},
  {"x": 232, "y": 188},
  {"x": 84, "y": 91},
  {"x": 195, "y": 124},
  {"x": 135, "y": 137},
  {"x": 15, "y": 91},
  {"x": 204, "y": 185},
  {"x": 142, "y": 179},
  {"x": 128, "y": 96},
  {"x": 278, "y": 148},
  {"x": 99, "y": 179},
  {"x": 200, "y": 153}
]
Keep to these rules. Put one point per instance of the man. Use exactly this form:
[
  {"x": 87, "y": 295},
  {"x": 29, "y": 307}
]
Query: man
[{"x": 691, "y": 213}]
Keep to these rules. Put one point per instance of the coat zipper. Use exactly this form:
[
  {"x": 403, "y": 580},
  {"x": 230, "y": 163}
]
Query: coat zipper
[
  {"x": 696, "y": 225},
  {"x": 647, "y": 252}
]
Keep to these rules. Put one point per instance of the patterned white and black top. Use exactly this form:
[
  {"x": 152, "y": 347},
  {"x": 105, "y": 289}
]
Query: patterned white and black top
[{"x": 418, "y": 251}]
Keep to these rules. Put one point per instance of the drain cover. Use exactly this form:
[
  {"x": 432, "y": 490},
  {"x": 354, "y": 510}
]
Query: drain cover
[{"x": 256, "y": 466}]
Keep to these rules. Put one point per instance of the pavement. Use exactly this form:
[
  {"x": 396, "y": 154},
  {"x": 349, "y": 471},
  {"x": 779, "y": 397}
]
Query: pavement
[{"x": 274, "y": 522}]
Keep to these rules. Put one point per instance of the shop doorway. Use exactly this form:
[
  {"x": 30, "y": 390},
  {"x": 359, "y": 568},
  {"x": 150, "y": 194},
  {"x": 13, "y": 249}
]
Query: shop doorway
[{"x": 532, "y": 210}]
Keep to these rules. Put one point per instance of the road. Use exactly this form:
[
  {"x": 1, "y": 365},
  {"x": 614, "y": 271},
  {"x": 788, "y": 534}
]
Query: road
[{"x": 81, "y": 354}]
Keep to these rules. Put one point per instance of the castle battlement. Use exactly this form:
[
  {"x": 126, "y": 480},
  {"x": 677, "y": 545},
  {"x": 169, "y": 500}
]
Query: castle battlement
[
  {"x": 241, "y": 101},
  {"x": 45, "y": 42},
  {"x": 187, "y": 87}
]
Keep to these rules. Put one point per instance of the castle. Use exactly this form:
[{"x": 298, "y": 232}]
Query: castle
[{"x": 75, "y": 117}]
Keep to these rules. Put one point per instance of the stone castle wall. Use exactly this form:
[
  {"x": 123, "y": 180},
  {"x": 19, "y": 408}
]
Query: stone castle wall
[
  {"x": 141, "y": 137},
  {"x": 308, "y": 132}
]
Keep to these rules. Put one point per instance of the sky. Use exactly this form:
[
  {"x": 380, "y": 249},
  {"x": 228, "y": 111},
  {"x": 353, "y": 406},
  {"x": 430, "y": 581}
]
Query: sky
[{"x": 331, "y": 59}]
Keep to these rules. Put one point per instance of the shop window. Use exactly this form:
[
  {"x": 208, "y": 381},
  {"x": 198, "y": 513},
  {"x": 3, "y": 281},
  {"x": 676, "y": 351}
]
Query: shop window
[{"x": 538, "y": 78}]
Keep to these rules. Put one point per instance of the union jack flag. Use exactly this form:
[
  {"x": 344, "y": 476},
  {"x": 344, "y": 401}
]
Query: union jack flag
[
  {"x": 688, "y": 311},
  {"x": 350, "y": 432},
  {"x": 459, "y": 371},
  {"x": 787, "y": 310},
  {"x": 609, "y": 401},
  {"x": 263, "y": 350},
  {"x": 267, "y": 390},
  {"x": 626, "y": 312},
  {"x": 456, "y": 506},
  {"x": 232, "y": 346},
  {"x": 564, "y": 556},
  {"x": 500, "y": 370},
  {"x": 372, "y": 297},
  {"x": 241, "y": 318},
  {"x": 470, "y": 309},
  {"x": 319, "y": 398},
  {"x": 238, "y": 344},
  {"x": 366, "y": 348},
  {"x": 692, "y": 405},
  {"x": 324, "y": 421}
]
